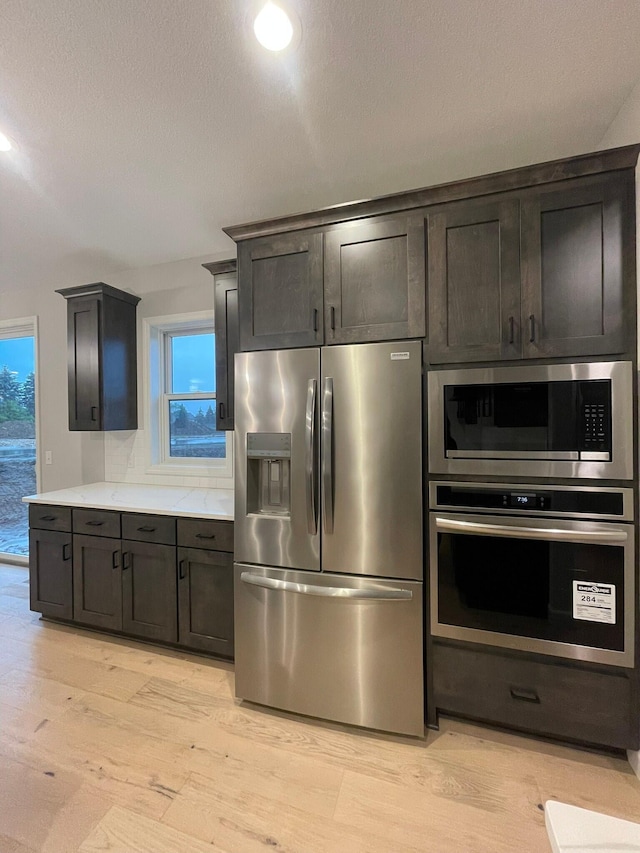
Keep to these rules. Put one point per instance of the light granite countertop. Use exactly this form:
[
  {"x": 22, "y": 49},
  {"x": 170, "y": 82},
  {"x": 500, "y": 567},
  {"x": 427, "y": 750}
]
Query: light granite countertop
[{"x": 159, "y": 500}]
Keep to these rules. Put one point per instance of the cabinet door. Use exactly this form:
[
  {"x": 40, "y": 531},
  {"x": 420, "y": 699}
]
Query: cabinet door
[
  {"x": 227, "y": 345},
  {"x": 205, "y": 600},
  {"x": 149, "y": 594},
  {"x": 474, "y": 282},
  {"x": 280, "y": 292},
  {"x": 50, "y": 573},
  {"x": 374, "y": 281},
  {"x": 573, "y": 269},
  {"x": 83, "y": 356},
  {"x": 97, "y": 581}
]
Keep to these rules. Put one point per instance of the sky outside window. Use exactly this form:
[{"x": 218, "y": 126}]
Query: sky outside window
[
  {"x": 17, "y": 354},
  {"x": 192, "y": 364}
]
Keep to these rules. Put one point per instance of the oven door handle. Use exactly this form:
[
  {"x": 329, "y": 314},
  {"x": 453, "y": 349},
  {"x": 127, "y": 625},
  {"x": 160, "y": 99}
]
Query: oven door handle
[{"x": 555, "y": 534}]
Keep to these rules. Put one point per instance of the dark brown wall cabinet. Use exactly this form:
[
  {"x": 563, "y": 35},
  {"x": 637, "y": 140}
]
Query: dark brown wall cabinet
[
  {"x": 374, "y": 281},
  {"x": 532, "y": 276},
  {"x": 227, "y": 337},
  {"x": 474, "y": 282},
  {"x": 101, "y": 348},
  {"x": 367, "y": 285},
  {"x": 572, "y": 268},
  {"x": 280, "y": 292}
]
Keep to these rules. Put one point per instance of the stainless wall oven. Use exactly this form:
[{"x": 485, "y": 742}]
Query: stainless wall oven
[
  {"x": 560, "y": 420},
  {"x": 547, "y": 569}
]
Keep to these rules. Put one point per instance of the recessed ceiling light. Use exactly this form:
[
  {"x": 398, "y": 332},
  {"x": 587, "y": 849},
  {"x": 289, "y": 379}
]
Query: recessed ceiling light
[
  {"x": 5, "y": 144},
  {"x": 273, "y": 27}
]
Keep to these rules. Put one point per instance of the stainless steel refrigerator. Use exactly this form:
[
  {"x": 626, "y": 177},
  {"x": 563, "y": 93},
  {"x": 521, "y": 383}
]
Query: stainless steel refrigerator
[{"x": 328, "y": 533}]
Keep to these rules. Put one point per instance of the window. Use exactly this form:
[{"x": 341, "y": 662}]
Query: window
[
  {"x": 182, "y": 384},
  {"x": 17, "y": 432}
]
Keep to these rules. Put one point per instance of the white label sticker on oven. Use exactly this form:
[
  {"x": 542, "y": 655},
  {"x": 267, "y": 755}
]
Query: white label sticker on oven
[
  {"x": 399, "y": 356},
  {"x": 594, "y": 602}
]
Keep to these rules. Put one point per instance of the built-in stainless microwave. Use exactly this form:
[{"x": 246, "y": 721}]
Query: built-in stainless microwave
[{"x": 559, "y": 420}]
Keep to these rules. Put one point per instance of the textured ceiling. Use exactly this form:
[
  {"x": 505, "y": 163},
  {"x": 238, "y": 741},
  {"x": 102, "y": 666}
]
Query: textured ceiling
[{"x": 144, "y": 126}]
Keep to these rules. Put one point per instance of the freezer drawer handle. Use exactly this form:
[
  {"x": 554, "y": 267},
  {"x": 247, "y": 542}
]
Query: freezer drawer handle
[
  {"x": 327, "y": 455},
  {"x": 326, "y": 591},
  {"x": 553, "y": 534},
  {"x": 309, "y": 457}
]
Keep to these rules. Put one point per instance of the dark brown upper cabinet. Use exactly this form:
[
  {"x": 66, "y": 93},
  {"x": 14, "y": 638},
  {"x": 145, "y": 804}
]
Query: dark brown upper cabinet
[
  {"x": 474, "y": 282},
  {"x": 227, "y": 337},
  {"x": 374, "y": 281},
  {"x": 534, "y": 262},
  {"x": 101, "y": 348},
  {"x": 280, "y": 292},
  {"x": 537, "y": 275},
  {"x": 573, "y": 269}
]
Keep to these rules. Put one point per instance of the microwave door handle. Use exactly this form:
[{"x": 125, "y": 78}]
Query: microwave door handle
[
  {"x": 555, "y": 534},
  {"x": 310, "y": 449},
  {"x": 327, "y": 455}
]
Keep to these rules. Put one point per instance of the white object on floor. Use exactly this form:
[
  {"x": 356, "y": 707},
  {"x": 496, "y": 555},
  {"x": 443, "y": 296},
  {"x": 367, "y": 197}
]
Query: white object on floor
[
  {"x": 634, "y": 760},
  {"x": 575, "y": 830}
]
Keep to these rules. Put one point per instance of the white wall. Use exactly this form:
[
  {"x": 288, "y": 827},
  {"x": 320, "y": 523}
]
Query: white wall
[
  {"x": 79, "y": 457},
  {"x": 174, "y": 288},
  {"x": 625, "y": 130}
]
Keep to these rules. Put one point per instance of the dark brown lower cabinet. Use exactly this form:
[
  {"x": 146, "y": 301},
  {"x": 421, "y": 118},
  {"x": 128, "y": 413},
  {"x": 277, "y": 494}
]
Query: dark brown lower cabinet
[
  {"x": 97, "y": 581},
  {"x": 555, "y": 698},
  {"x": 205, "y": 600},
  {"x": 50, "y": 573},
  {"x": 149, "y": 591},
  {"x": 119, "y": 572}
]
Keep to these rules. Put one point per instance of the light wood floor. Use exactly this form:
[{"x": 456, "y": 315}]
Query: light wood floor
[{"x": 108, "y": 745}]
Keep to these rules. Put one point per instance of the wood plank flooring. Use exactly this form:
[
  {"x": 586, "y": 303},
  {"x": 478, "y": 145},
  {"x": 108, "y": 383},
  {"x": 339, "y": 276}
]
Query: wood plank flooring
[{"x": 107, "y": 745}]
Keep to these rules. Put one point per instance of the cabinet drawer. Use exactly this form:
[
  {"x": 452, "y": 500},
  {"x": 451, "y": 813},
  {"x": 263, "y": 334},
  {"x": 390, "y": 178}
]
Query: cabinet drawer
[
  {"x": 50, "y": 517},
  {"x": 149, "y": 528},
  {"x": 202, "y": 533},
  {"x": 96, "y": 522},
  {"x": 553, "y": 699}
]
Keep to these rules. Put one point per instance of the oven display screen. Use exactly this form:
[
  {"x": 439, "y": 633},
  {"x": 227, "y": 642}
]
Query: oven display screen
[{"x": 522, "y": 500}]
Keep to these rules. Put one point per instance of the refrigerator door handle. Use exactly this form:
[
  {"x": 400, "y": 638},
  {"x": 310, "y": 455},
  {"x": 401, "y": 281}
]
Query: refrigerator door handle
[
  {"x": 310, "y": 466},
  {"x": 327, "y": 455},
  {"x": 389, "y": 594}
]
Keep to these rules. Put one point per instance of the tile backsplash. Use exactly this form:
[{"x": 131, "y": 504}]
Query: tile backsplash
[{"x": 125, "y": 462}]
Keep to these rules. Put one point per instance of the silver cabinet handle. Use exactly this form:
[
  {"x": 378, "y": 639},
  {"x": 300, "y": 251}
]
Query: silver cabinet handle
[
  {"x": 310, "y": 457},
  {"x": 553, "y": 534},
  {"x": 327, "y": 455},
  {"x": 326, "y": 591}
]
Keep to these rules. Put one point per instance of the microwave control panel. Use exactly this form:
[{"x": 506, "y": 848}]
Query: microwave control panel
[{"x": 596, "y": 415}]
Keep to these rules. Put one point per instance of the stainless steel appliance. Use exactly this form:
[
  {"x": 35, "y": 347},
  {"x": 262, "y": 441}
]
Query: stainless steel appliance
[
  {"x": 547, "y": 569},
  {"x": 328, "y": 533},
  {"x": 560, "y": 420}
]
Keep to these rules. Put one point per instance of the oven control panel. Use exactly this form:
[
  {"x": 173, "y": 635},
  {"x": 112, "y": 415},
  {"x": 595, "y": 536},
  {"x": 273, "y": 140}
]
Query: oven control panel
[
  {"x": 537, "y": 500},
  {"x": 525, "y": 500}
]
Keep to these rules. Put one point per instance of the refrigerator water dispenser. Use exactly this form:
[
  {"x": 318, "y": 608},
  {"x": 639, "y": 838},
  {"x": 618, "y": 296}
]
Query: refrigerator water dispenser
[{"x": 269, "y": 473}]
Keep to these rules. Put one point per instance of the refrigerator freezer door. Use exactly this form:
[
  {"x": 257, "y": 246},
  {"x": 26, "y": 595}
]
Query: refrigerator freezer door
[
  {"x": 276, "y": 471},
  {"x": 347, "y": 649},
  {"x": 371, "y": 416}
]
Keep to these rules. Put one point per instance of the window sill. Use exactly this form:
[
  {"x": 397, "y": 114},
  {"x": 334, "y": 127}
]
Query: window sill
[{"x": 221, "y": 472}]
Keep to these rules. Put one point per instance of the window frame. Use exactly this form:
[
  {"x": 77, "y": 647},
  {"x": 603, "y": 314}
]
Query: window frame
[{"x": 157, "y": 331}]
